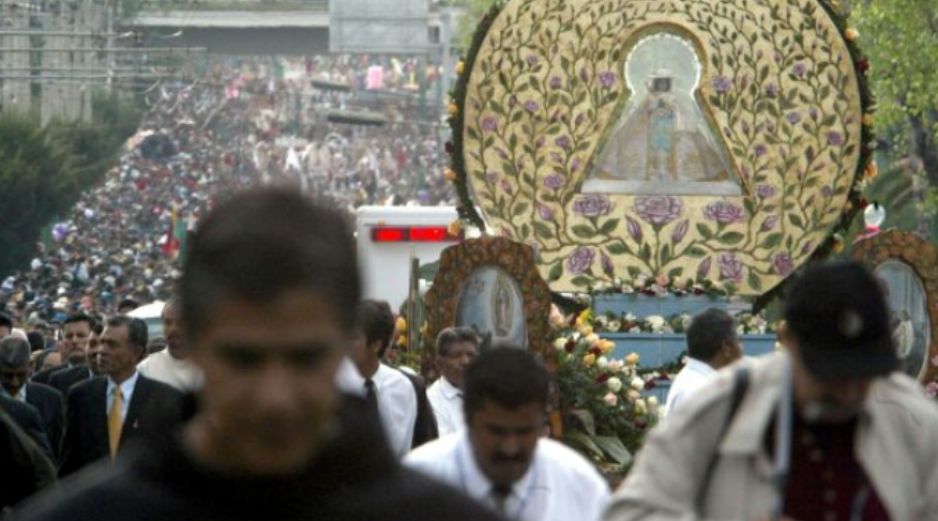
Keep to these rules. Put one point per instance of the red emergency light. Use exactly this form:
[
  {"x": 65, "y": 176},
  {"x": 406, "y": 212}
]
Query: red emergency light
[{"x": 413, "y": 234}]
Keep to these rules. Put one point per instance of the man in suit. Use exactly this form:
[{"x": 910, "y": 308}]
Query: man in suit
[
  {"x": 105, "y": 414},
  {"x": 14, "y": 379},
  {"x": 74, "y": 346},
  {"x": 26, "y": 468},
  {"x": 27, "y": 418},
  {"x": 66, "y": 377}
]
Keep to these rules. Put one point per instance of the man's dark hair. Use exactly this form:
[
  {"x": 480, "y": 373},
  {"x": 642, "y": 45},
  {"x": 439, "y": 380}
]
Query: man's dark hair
[
  {"x": 708, "y": 332},
  {"x": 14, "y": 352},
  {"x": 6, "y": 321},
  {"x": 97, "y": 327},
  {"x": 452, "y": 335},
  {"x": 376, "y": 322},
  {"x": 79, "y": 317},
  {"x": 263, "y": 243},
  {"x": 128, "y": 303},
  {"x": 137, "y": 333},
  {"x": 37, "y": 342},
  {"x": 507, "y": 375}
]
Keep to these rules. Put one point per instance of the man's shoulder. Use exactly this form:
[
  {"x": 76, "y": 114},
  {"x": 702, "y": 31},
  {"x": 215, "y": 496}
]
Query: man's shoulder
[
  {"x": 157, "y": 387},
  {"x": 438, "y": 452},
  {"x": 16, "y": 408},
  {"x": 414, "y": 496},
  {"x": 559, "y": 456},
  {"x": 42, "y": 391},
  {"x": 900, "y": 393}
]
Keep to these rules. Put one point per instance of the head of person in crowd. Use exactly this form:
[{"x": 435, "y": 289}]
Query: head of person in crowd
[
  {"x": 94, "y": 347},
  {"x": 6, "y": 325},
  {"x": 127, "y": 305},
  {"x": 14, "y": 364},
  {"x": 123, "y": 344},
  {"x": 712, "y": 338},
  {"x": 48, "y": 359},
  {"x": 37, "y": 342},
  {"x": 837, "y": 330},
  {"x": 171, "y": 330},
  {"x": 505, "y": 402},
  {"x": 376, "y": 327},
  {"x": 76, "y": 330},
  {"x": 268, "y": 336},
  {"x": 456, "y": 348}
]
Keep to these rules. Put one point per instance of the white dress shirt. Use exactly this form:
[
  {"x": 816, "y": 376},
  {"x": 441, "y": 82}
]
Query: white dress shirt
[
  {"x": 127, "y": 392},
  {"x": 560, "y": 485},
  {"x": 688, "y": 380},
  {"x": 446, "y": 400},
  {"x": 162, "y": 367},
  {"x": 397, "y": 401}
]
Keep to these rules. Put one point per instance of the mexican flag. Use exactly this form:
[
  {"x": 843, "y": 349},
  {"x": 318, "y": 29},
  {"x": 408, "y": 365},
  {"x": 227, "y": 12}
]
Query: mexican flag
[{"x": 175, "y": 236}]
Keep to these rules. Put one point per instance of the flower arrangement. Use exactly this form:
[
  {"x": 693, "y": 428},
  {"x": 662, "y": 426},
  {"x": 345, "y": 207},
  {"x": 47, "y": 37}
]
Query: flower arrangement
[
  {"x": 606, "y": 417},
  {"x": 747, "y": 323}
]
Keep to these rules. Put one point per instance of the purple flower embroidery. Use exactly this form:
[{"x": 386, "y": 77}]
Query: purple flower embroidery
[
  {"x": 827, "y": 191},
  {"x": 506, "y": 186},
  {"x": 793, "y": 117},
  {"x": 556, "y": 82},
  {"x": 575, "y": 165},
  {"x": 635, "y": 229},
  {"x": 765, "y": 191},
  {"x": 554, "y": 181},
  {"x": 703, "y": 271},
  {"x": 783, "y": 265},
  {"x": 562, "y": 142},
  {"x": 771, "y": 90},
  {"x": 760, "y": 150},
  {"x": 489, "y": 124},
  {"x": 540, "y": 142},
  {"x": 731, "y": 268},
  {"x": 580, "y": 260},
  {"x": 606, "y": 262},
  {"x": 680, "y": 231},
  {"x": 835, "y": 138},
  {"x": 769, "y": 223},
  {"x": 592, "y": 205},
  {"x": 723, "y": 212},
  {"x": 545, "y": 212},
  {"x": 813, "y": 112},
  {"x": 658, "y": 209},
  {"x": 531, "y": 106},
  {"x": 491, "y": 178},
  {"x": 607, "y": 79},
  {"x": 722, "y": 84},
  {"x": 532, "y": 59},
  {"x": 799, "y": 69}
]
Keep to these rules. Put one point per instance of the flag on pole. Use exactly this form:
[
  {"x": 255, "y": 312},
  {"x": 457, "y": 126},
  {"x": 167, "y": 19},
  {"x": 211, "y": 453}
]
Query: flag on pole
[{"x": 175, "y": 236}]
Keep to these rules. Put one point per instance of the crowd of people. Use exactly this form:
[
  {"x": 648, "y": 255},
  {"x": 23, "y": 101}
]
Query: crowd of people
[
  {"x": 244, "y": 123},
  {"x": 298, "y": 416}
]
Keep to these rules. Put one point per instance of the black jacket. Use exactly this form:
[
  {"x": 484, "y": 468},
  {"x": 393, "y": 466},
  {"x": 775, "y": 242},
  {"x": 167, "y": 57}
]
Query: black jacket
[
  {"x": 425, "y": 428},
  {"x": 26, "y": 469},
  {"x": 51, "y": 407},
  {"x": 42, "y": 377},
  {"x": 356, "y": 478},
  {"x": 155, "y": 409},
  {"x": 64, "y": 379},
  {"x": 28, "y": 419}
]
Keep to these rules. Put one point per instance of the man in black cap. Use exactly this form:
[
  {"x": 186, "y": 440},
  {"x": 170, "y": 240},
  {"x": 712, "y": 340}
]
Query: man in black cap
[
  {"x": 268, "y": 296},
  {"x": 826, "y": 430}
]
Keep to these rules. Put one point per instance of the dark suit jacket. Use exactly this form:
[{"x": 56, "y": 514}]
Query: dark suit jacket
[
  {"x": 425, "y": 428},
  {"x": 154, "y": 410},
  {"x": 64, "y": 379},
  {"x": 51, "y": 407},
  {"x": 26, "y": 469},
  {"x": 28, "y": 419},
  {"x": 42, "y": 377}
]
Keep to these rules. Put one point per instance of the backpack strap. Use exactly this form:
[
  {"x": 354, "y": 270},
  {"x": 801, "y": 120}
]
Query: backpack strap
[{"x": 740, "y": 385}]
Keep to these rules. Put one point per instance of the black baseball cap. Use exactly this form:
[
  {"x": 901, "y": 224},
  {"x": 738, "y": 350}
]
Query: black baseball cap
[{"x": 837, "y": 312}]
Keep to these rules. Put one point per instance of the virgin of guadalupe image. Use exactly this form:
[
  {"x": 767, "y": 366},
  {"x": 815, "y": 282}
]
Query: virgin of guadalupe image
[
  {"x": 662, "y": 142},
  {"x": 492, "y": 303}
]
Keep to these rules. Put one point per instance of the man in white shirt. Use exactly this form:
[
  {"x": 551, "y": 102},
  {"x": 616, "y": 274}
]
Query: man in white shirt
[
  {"x": 712, "y": 343},
  {"x": 456, "y": 347},
  {"x": 500, "y": 459},
  {"x": 386, "y": 388},
  {"x": 171, "y": 365}
]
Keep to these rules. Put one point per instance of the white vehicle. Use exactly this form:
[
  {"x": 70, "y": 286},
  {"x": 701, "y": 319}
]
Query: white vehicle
[
  {"x": 152, "y": 314},
  {"x": 388, "y": 236}
]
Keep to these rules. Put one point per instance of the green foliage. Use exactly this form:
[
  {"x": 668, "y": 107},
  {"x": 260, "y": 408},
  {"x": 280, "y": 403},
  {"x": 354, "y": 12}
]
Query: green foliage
[{"x": 44, "y": 170}]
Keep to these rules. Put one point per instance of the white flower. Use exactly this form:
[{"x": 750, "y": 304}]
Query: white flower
[
  {"x": 615, "y": 365},
  {"x": 637, "y": 383},
  {"x": 641, "y": 408},
  {"x": 740, "y": 329},
  {"x": 614, "y": 325},
  {"x": 630, "y": 317},
  {"x": 652, "y": 402},
  {"x": 611, "y": 399},
  {"x": 656, "y": 322},
  {"x": 635, "y": 329},
  {"x": 560, "y": 343},
  {"x": 602, "y": 363},
  {"x": 614, "y": 384}
]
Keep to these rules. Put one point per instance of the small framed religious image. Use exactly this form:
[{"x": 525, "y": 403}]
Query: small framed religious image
[{"x": 907, "y": 267}]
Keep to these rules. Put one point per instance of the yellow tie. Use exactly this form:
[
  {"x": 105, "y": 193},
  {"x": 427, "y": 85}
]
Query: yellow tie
[{"x": 115, "y": 421}]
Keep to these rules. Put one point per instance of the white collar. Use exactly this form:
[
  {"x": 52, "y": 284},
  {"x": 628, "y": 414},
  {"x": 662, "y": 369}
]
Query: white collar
[
  {"x": 477, "y": 485},
  {"x": 449, "y": 390},
  {"x": 127, "y": 386},
  {"x": 698, "y": 366}
]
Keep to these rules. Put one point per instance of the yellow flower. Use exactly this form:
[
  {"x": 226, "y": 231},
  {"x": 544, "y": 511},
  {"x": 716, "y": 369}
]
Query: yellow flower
[
  {"x": 607, "y": 346},
  {"x": 449, "y": 174},
  {"x": 592, "y": 338},
  {"x": 589, "y": 360},
  {"x": 584, "y": 316},
  {"x": 868, "y": 120},
  {"x": 586, "y": 330},
  {"x": 872, "y": 170},
  {"x": 460, "y": 68},
  {"x": 454, "y": 228},
  {"x": 453, "y": 110},
  {"x": 402, "y": 341},
  {"x": 632, "y": 359},
  {"x": 401, "y": 324},
  {"x": 851, "y": 34}
]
